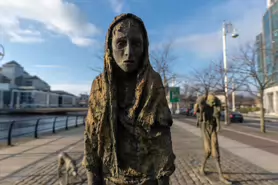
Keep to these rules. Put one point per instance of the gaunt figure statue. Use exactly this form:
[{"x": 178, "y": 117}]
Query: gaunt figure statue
[
  {"x": 209, "y": 111},
  {"x": 127, "y": 136}
]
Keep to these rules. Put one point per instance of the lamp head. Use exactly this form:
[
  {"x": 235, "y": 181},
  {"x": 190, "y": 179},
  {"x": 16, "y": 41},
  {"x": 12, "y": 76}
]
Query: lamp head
[{"x": 235, "y": 34}]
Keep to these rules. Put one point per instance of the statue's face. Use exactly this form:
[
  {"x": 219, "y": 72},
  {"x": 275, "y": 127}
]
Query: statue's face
[{"x": 127, "y": 45}]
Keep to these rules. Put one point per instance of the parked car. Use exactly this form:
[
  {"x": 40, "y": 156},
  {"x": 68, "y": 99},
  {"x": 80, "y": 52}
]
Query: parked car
[
  {"x": 192, "y": 113},
  {"x": 183, "y": 111},
  {"x": 234, "y": 117}
]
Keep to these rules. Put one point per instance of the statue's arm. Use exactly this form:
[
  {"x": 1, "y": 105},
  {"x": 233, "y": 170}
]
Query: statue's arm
[
  {"x": 164, "y": 116},
  {"x": 217, "y": 112},
  {"x": 91, "y": 160},
  {"x": 196, "y": 107}
]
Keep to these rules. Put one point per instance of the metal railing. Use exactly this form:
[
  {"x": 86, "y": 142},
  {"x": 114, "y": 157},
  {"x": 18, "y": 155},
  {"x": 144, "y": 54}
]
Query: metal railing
[{"x": 34, "y": 127}]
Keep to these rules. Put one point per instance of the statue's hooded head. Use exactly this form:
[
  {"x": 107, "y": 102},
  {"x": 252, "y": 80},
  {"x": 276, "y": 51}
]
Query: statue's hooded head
[{"x": 127, "y": 45}]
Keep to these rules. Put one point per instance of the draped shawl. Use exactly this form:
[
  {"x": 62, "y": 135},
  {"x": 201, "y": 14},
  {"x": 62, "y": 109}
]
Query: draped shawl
[{"x": 150, "y": 109}]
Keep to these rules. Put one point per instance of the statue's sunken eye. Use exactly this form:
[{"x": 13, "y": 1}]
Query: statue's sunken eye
[
  {"x": 136, "y": 42},
  {"x": 121, "y": 44}
]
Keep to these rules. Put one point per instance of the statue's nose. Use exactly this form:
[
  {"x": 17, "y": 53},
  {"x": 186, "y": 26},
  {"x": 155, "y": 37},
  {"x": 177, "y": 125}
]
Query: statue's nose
[{"x": 128, "y": 51}]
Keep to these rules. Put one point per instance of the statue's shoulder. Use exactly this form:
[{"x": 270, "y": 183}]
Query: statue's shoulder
[
  {"x": 155, "y": 75},
  {"x": 97, "y": 84},
  {"x": 211, "y": 97},
  {"x": 196, "y": 106},
  {"x": 218, "y": 101},
  {"x": 155, "y": 79},
  {"x": 201, "y": 99}
]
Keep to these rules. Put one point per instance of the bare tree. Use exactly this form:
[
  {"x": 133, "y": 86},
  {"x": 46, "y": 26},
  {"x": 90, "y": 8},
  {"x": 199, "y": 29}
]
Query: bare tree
[
  {"x": 99, "y": 58},
  {"x": 162, "y": 60},
  {"x": 235, "y": 82},
  {"x": 188, "y": 90},
  {"x": 256, "y": 78},
  {"x": 233, "y": 77},
  {"x": 204, "y": 80},
  {"x": 188, "y": 93}
]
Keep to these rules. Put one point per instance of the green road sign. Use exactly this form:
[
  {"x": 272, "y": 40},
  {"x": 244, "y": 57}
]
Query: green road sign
[{"x": 174, "y": 94}]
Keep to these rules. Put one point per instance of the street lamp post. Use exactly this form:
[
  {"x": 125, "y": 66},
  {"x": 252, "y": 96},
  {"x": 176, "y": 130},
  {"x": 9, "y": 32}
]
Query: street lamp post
[
  {"x": 227, "y": 28},
  {"x": 233, "y": 97}
]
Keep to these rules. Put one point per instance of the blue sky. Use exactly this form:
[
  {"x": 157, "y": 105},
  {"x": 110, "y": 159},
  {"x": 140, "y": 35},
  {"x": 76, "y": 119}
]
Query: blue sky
[{"x": 60, "y": 40}]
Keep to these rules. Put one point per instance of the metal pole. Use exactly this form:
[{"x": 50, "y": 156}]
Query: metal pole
[
  {"x": 173, "y": 81},
  {"x": 173, "y": 85},
  {"x": 234, "y": 97},
  {"x": 225, "y": 73}
]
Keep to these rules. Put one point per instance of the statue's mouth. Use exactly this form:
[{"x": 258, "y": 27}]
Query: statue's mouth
[{"x": 129, "y": 62}]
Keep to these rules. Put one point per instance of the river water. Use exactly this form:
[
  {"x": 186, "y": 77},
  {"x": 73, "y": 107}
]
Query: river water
[{"x": 24, "y": 125}]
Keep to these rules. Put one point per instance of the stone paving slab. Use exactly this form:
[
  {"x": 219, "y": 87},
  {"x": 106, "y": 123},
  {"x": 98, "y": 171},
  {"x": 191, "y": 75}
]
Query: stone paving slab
[
  {"x": 244, "y": 145},
  {"x": 188, "y": 150},
  {"x": 240, "y": 171},
  {"x": 13, "y": 159}
]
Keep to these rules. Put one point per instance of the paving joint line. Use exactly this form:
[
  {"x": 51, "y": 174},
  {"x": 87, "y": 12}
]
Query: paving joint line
[
  {"x": 44, "y": 158},
  {"x": 32, "y": 148}
]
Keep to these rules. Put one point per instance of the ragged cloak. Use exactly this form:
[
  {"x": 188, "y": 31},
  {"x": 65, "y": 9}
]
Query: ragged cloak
[{"x": 150, "y": 116}]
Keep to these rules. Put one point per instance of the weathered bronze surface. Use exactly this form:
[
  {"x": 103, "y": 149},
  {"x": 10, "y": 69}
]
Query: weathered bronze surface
[
  {"x": 197, "y": 112},
  {"x": 127, "y": 137},
  {"x": 210, "y": 107}
]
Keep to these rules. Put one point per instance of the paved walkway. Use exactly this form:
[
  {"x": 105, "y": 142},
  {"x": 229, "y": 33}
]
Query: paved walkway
[{"x": 35, "y": 162}]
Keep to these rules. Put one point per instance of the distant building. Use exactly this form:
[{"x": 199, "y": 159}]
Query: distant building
[
  {"x": 66, "y": 99},
  {"x": 240, "y": 100},
  {"x": 270, "y": 3},
  {"x": 267, "y": 55},
  {"x": 83, "y": 100},
  {"x": 19, "y": 89}
]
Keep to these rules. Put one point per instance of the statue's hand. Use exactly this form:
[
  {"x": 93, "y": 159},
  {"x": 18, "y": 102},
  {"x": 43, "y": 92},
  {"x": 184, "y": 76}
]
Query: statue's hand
[
  {"x": 60, "y": 174},
  {"x": 218, "y": 128},
  {"x": 164, "y": 181},
  {"x": 93, "y": 178}
]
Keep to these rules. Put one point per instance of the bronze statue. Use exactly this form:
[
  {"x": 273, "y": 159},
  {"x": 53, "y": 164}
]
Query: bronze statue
[
  {"x": 70, "y": 168},
  {"x": 210, "y": 125},
  {"x": 127, "y": 135},
  {"x": 197, "y": 113}
]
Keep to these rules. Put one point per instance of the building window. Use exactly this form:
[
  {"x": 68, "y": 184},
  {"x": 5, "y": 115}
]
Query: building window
[{"x": 29, "y": 83}]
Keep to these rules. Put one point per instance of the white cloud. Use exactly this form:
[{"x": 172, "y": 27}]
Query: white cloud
[
  {"x": 27, "y": 20},
  {"x": 75, "y": 89},
  {"x": 83, "y": 41},
  {"x": 246, "y": 16},
  {"x": 117, "y": 5}
]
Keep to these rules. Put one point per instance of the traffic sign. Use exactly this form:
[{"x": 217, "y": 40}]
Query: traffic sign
[{"x": 174, "y": 94}]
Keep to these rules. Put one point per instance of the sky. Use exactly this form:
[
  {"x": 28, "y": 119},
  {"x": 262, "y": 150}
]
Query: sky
[{"x": 61, "y": 40}]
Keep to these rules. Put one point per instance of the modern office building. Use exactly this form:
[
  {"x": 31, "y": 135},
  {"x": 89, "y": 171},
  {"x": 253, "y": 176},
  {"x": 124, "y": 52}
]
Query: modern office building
[
  {"x": 260, "y": 57},
  {"x": 267, "y": 55},
  {"x": 19, "y": 89}
]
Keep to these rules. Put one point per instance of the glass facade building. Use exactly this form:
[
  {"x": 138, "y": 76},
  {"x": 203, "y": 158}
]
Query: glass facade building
[
  {"x": 267, "y": 44},
  {"x": 267, "y": 56},
  {"x": 260, "y": 57}
]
